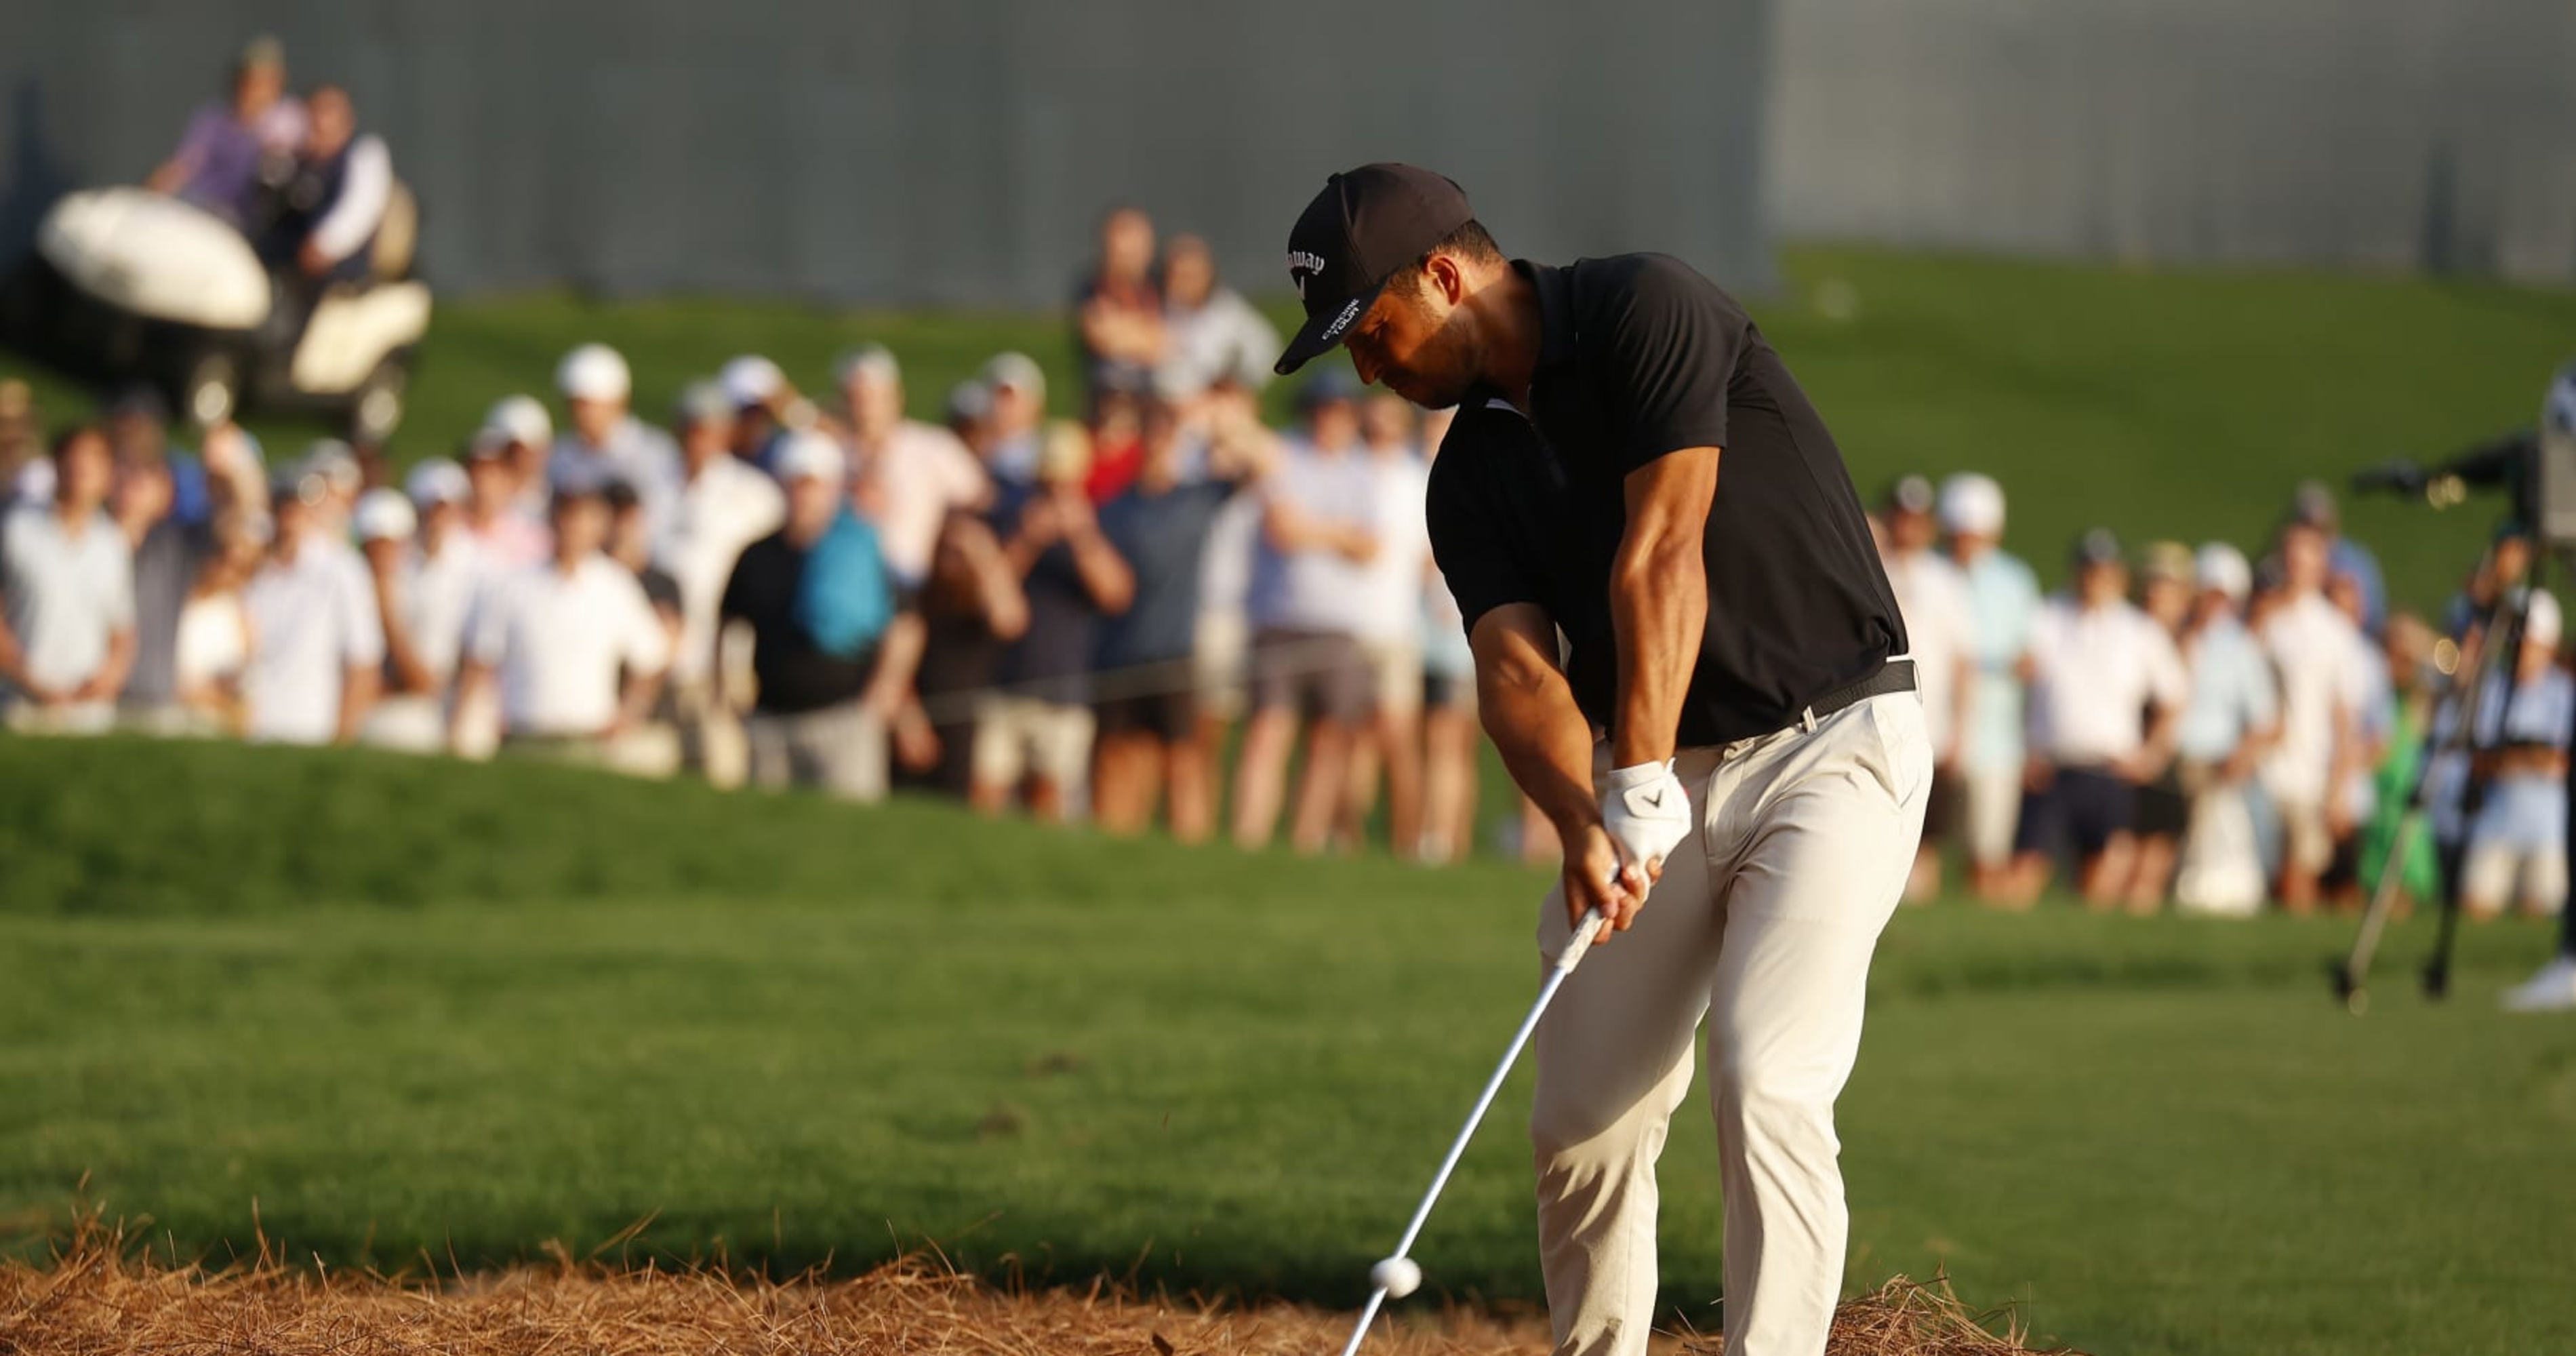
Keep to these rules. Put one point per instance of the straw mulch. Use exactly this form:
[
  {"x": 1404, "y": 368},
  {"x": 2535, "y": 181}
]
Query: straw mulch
[{"x": 101, "y": 1294}]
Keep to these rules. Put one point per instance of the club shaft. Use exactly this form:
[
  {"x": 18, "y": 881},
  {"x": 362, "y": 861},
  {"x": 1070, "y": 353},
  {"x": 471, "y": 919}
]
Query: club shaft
[
  {"x": 2383, "y": 899},
  {"x": 1368, "y": 1315},
  {"x": 1566, "y": 960}
]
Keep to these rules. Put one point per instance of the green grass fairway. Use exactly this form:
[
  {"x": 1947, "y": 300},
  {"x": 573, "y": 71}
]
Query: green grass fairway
[
  {"x": 2159, "y": 403},
  {"x": 413, "y": 1009}
]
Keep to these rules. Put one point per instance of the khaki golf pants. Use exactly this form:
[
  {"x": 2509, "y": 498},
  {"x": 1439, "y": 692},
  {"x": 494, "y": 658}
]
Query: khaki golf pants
[{"x": 1805, "y": 841}]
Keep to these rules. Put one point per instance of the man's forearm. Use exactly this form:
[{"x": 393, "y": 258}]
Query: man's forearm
[
  {"x": 357, "y": 693},
  {"x": 1659, "y": 605},
  {"x": 898, "y": 660},
  {"x": 1545, "y": 742}
]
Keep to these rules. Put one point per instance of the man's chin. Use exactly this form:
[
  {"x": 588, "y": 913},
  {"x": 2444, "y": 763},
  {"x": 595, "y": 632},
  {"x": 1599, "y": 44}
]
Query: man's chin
[{"x": 1425, "y": 394}]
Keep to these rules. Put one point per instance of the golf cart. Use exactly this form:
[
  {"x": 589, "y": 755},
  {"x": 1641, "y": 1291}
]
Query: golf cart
[{"x": 127, "y": 283}]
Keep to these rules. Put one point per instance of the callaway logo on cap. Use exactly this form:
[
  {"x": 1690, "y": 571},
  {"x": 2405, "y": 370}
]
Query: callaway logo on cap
[{"x": 1365, "y": 225}]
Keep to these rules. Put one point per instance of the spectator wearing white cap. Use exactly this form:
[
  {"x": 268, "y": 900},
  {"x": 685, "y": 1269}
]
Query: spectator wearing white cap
[
  {"x": 409, "y": 716},
  {"x": 571, "y": 646},
  {"x": 2231, "y": 718},
  {"x": 2098, "y": 662},
  {"x": 606, "y": 441},
  {"x": 2313, "y": 647},
  {"x": 526, "y": 434},
  {"x": 335, "y": 465},
  {"x": 2517, "y": 843},
  {"x": 317, "y": 643},
  {"x": 1941, "y": 633},
  {"x": 447, "y": 567},
  {"x": 761, "y": 397},
  {"x": 1210, "y": 333},
  {"x": 66, "y": 599},
  {"x": 834, "y": 640},
  {"x": 724, "y": 506},
  {"x": 908, "y": 475},
  {"x": 1015, "y": 407},
  {"x": 506, "y": 535},
  {"x": 2003, "y": 603}
]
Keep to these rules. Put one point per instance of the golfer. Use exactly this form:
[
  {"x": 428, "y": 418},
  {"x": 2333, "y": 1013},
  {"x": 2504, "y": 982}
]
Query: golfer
[{"x": 1732, "y": 729}]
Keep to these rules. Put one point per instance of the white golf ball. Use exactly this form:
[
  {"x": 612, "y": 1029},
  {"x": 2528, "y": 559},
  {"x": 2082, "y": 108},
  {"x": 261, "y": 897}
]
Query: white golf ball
[{"x": 1398, "y": 1276}]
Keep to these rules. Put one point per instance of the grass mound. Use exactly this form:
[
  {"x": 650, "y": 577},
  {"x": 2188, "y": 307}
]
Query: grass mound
[{"x": 101, "y": 1293}]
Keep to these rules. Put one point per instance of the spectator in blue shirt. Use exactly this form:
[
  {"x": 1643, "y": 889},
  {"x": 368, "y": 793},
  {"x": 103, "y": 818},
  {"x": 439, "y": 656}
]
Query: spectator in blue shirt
[{"x": 2003, "y": 602}]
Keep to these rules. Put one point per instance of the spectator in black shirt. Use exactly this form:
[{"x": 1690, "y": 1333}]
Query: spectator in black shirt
[
  {"x": 1033, "y": 732},
  {"x": 1148, "y": 712},
  {"x": 832, "y": 653}
]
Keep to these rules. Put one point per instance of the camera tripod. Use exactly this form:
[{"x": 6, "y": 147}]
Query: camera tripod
[{"x": 2493, "y": 642}]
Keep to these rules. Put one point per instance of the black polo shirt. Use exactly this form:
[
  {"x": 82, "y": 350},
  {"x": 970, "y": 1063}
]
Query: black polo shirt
[{"x": 1641, "y": 356}]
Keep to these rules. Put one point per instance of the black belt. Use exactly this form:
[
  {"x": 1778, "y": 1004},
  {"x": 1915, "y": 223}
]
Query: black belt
[{"x": 1896, "y": 675}]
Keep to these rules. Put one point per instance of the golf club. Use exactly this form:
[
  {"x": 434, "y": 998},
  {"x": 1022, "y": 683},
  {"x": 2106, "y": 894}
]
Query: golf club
[{"x": 1398, "y": 1275}]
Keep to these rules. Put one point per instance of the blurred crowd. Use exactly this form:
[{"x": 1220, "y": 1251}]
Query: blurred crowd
[
  {"x": 1160, "y": 609},
  {"x": 2187, "y": 725},
  {"x": 1073, "y": 617}
]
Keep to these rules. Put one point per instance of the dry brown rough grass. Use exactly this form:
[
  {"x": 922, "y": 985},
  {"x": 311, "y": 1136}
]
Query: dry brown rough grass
[{"x": 101, "y": 1293}]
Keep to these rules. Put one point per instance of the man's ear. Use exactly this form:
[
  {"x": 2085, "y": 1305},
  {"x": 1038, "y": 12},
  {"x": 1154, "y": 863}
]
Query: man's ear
[{"x": 1443, "y": 276}]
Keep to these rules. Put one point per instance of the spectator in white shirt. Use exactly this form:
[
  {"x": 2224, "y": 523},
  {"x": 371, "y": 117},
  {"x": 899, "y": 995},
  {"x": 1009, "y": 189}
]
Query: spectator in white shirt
[
  {"x": 1389, "y": 628},
  {"x": 572, "y": 646},
  {"x": 910, "y": 475},
  {"x": 2167, "y": 584},
  {"x": 2517, "y": 843},
  {"x": 2313, "y": 647},
  {"x": 214, "y": 644},
  {"x": 724, "y": 506},
  {"x": 1319, "y": 532},
  {"x": 317, "y": 642},
  {"x": 1210, "y": 333},
  {"x": 410, "y": 716},
  {"x": 1941, "y": 634},
  {"x": 447, "y": 568},
  {"x": 2106, "y": 689},
  {"x": 334, "y": 202},
  {"x": 2232, "y": 717},
  {"x": 66, "y": 598},
  {"x": 605, "y": 441}
]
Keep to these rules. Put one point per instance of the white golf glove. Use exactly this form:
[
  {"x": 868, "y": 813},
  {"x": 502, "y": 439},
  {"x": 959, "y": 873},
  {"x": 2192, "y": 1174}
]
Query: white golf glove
[{"x": 1646, "y": 811}]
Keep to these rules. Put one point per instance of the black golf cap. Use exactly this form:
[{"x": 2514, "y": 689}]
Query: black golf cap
[{"x": 1365, "y": 225}]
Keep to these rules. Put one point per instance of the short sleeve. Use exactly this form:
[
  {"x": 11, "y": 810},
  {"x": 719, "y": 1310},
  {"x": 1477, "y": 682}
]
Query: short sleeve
[
  {"x": 732, "y": 605},
  {"x": 2262, "y": 690},
  {"x": 2167, "y": 681},
  {"x": 642, "y": 642},
  {"x": 1661, "y": 347},
  {"x": 487, "y": 624},
  {"x": 362, "y": 631},
  {"x": 1469, "y": 520},
  {"x": 120, "y": 589}
]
